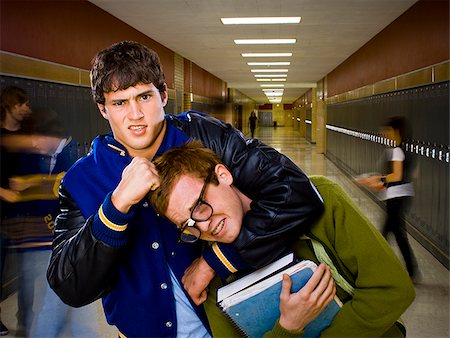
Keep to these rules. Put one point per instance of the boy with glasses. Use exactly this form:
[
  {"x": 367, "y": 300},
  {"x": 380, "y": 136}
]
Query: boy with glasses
[{"x": 198, "y": 195}]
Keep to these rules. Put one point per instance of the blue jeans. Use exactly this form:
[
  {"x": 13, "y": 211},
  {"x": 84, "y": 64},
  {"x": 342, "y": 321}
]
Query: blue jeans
[
  {"x": 57, "y": 319},
  {"x": 31, "y": 267},
  {"x": 40, "y": 311}
]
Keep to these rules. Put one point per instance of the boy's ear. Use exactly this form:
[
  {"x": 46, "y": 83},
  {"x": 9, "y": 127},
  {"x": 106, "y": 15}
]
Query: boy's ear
[
  {"x": 164, "y": 96},
  {"x": 223, "y": 174},
  {"x": 102, "y": 109}
]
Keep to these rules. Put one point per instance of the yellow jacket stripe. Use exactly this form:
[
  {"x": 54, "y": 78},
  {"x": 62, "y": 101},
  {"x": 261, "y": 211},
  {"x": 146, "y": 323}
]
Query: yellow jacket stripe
[
  {"x": 108, "y": 223},
  {"x": 223, "y": 259}
]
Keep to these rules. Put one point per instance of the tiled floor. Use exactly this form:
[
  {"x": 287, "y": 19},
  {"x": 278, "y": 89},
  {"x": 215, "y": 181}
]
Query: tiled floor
[{"x": 427, "y": 317}]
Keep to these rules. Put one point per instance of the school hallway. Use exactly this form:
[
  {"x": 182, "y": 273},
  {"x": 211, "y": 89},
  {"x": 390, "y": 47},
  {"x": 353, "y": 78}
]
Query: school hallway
[{"x": 426, "y": 317}]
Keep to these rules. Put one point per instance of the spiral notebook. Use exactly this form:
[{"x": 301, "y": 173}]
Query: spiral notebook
[{"x": 252, "y": 302}]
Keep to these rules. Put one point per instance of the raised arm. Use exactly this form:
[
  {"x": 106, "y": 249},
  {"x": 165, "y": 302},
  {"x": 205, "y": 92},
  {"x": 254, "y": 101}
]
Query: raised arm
[
  {"x": 86, "y": 253},
  {"x": 285, "y": 203}
]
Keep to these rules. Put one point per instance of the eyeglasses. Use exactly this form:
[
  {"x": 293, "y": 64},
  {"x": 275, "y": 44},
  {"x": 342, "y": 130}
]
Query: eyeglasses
[{"x": 202, "y": 211}]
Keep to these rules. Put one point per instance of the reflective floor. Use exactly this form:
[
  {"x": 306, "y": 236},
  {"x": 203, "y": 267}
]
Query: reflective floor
[{"x": 427, "y": 317}]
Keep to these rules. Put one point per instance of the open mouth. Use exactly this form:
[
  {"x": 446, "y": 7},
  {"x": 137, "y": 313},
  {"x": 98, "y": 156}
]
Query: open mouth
[{"x": 218, "y": 228}]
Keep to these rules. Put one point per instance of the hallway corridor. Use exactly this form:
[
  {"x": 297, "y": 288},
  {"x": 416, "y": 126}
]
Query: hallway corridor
[{"x": 428, "y": 316}]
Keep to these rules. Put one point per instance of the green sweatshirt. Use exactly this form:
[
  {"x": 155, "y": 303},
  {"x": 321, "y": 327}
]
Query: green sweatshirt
[{"x": 381, "y": 285}]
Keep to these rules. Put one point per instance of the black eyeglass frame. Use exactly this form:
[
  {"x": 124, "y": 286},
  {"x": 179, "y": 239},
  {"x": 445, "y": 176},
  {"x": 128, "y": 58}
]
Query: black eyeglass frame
[{"x": 191, "y": 222}]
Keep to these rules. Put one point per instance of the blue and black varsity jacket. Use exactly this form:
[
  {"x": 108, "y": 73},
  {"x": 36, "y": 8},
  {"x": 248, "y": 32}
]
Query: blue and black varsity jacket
[{"x": 124, "y": 258}]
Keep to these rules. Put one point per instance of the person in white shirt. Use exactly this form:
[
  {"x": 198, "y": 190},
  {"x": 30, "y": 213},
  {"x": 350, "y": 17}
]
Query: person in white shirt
[{"x": 396, "y": 188}]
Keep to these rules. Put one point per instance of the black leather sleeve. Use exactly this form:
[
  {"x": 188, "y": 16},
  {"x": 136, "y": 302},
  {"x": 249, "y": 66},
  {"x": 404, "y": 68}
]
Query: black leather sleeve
[
  {"x": 82, "y": 269},
  {"x": 285, "y": 203}
]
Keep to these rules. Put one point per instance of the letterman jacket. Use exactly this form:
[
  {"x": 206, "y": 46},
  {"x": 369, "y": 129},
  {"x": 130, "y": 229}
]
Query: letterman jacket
[{"x": 99, "y": 252}]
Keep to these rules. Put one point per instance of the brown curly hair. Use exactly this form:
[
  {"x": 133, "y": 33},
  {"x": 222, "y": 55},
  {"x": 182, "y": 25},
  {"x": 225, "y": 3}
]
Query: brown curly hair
[{"x": 123, "y": 65}]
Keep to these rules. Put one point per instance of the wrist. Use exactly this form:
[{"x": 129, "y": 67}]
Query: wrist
[
  {"x": 118, "y": 204},
  {"x": 289, "y": 326},
  {"x": 207, "y": 268}
]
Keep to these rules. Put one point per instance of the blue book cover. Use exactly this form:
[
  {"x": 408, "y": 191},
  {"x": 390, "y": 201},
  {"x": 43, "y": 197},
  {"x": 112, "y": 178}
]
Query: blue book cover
[{"x": 255, "y": 309}]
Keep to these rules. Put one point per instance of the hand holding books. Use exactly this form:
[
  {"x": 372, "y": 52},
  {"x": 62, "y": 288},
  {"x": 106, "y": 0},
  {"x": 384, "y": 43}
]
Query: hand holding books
[
  {"x": 300, "y": 308},
  {"x": 252, "y": 302}
]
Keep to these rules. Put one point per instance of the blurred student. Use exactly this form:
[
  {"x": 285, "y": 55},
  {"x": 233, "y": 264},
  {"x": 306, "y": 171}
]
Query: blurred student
[
  {"x": 197, "y": 194},
  {"x": 396, "y": 187},
  {"x": 15, "y": 109},
  {"x": 30, "y": 227}
]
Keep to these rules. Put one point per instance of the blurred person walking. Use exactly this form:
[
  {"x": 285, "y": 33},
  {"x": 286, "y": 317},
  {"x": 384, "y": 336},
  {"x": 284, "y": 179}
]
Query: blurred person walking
[
  {"x": 15, "y": 109},
  {"x": 30, "y": 230},
  {"x": 396, "y": 187}
]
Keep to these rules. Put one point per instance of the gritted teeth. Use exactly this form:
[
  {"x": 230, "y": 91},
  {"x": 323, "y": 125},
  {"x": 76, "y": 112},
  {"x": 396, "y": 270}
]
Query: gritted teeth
[
  {"x": 218, "y": 228},
  {"x": 137, "y": 127}
]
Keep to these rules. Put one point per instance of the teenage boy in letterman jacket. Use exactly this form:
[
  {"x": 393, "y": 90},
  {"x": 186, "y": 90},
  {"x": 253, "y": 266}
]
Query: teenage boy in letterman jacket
[{"x": 111, "y": 244}]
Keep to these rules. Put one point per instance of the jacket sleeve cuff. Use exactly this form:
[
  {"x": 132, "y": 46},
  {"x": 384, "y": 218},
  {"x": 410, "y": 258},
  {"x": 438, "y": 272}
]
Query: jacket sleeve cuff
[
  {"x": 223, "y": 259},
  {"x": 110, "y": 225},
  {"x": 281, "y": 332}
]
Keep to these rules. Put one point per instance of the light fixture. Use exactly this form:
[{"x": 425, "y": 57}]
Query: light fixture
[
  {"x": 269, "y": 70},
  {"x": 259, "y": 55},
  {"x": 260, "y": 20},
  {"x": 271, "y": 91},
  {"x": 273, "y": 94},
  {"x": 264, "y": 41},
  {"x": 272, "y": 85},
  {"x": 271, "y": 75},
  {"x": 263, "y": 80},
  {"x": 268, "y": 63}
]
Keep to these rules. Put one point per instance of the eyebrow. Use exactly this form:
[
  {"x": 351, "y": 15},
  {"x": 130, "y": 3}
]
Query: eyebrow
[
  {"x": 194, "y": 205},
  {"x": 147, "y": 92},
  {"x": 180, "y": 224}
]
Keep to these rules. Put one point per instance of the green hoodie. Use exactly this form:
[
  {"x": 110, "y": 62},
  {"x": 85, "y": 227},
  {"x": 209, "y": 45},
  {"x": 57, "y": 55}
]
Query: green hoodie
[{"x": 382, "y": 289}]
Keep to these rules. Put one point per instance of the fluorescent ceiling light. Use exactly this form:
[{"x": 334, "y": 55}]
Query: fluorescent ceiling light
[
  {"x": 275, "y": 100},
  {"x": 273, "y": 94},
  {"x": 268, "y": 63},
  {"x": 264, "y": 41},
  {"x": 271, "y": 80},
  {"x": 272, "y": 85},
  {"x": 269, "y": 70},
  {"x": 259, "y": 55},
  {"x": 270, "y": 75},
  {"x": 260, "y": 20}
]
